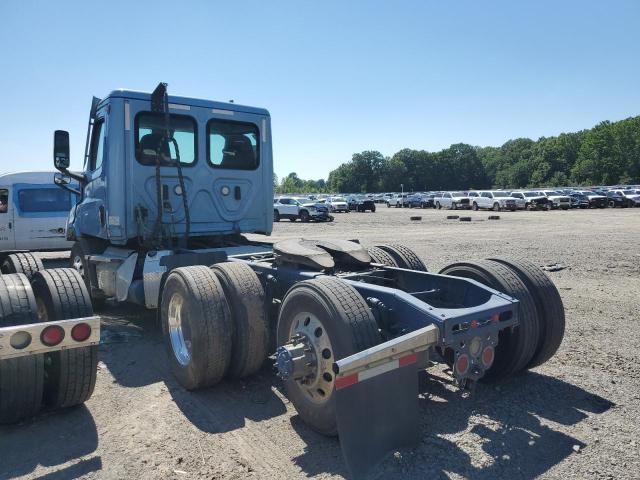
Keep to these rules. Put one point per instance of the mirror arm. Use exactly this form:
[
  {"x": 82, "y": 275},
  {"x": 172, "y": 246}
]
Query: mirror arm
[
  {"x": 70, "y": 189},
  {"x": 79, "y": 177}
]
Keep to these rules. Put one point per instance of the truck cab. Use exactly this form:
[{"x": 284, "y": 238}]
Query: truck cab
[{"x": 33, "y": 212}]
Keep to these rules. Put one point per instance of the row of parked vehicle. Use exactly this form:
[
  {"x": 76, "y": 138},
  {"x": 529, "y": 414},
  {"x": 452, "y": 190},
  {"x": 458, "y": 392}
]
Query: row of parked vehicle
[
  {"x": 499, "y": 200},
  {"x": 319, "y": 209}
]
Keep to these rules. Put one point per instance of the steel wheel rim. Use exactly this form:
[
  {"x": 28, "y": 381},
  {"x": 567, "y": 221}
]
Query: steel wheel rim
[
  {"x": 181, "y": 347},
  {"x": 77, "y": 265},
  {"x": 41, "y": 310},
  {"x": 318, "y": 389}
]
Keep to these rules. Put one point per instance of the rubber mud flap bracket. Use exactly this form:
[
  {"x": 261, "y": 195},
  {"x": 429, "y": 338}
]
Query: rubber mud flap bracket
[{"x": 378, "y": 415}]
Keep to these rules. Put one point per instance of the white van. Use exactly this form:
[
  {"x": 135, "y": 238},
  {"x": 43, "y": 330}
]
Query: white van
[{"x": 33, "y": 212}]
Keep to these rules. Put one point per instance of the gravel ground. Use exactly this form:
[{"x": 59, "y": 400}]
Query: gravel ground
[{"x": 574, "y": 417}]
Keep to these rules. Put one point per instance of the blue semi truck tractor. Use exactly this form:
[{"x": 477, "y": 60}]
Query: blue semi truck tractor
[{"x": 170, "y": 188}]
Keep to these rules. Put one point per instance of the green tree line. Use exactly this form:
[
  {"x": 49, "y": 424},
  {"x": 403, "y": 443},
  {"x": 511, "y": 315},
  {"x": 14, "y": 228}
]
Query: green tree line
[{"x": 606, "y": 154}]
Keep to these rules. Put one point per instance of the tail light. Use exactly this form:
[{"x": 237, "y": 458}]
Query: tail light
[
  {"x": 462, "y": 364},
  {"x": 488, "y": 354},
  {"x": 52, "y": 335},
  {"x": 81, "y": 332},
  {"x": 20, "y": 340}
]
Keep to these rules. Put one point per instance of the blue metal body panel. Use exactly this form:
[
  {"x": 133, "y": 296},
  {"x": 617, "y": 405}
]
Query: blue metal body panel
[{"x": 122, "y": 184}]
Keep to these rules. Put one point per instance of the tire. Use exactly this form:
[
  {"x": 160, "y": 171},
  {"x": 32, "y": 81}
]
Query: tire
[
  {"x": 388, "y": 205},
  {"x": 549, "y": 305},
  {"x": 350, "y": 327},
  {"x": 438, "y": 206},
  {"x": 380, "y": 256},
  {"x": 496, "y": 207},
  {"x": 21, "y": 379},
  {"x": 246, "y": 299},
  {"x": 304, "y": 216},
  {"x": 404, "y": 256},
  {"x": 80, "y": 264},
  {"x": 70, "y": 375},
  {"x": 276, "y": 216},
  {"x": 193, "y": 301},
  {"x": 454, "y": 206},
  {"x": 474, "y": 207},
  {"x": 373, "y": 209},
  {"x": 516, "y": 346},
  {"x": 25, "y": 262}
]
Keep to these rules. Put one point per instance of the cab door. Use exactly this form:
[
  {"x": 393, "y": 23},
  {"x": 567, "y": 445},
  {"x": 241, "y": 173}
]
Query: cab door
[{"x": 7, "y": 232}]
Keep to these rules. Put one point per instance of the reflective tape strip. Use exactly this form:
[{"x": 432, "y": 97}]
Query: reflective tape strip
[
  {"x": 127, "y": 117},
  {"x": 354, "y": 378},
  {"x": 222, "y": 112},
  {"x": 264, "y": 130},
  {"x": 177, "y": 106}
]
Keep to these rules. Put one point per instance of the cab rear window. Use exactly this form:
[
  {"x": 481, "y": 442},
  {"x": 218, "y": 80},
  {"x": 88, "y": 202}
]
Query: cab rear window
[
  {"x": 150, "y": 133},
  {"x": 233, "y": 145}
]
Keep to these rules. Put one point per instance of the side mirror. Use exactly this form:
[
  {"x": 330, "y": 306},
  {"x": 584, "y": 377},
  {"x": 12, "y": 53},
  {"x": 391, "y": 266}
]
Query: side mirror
[{"x": 61, "y": 149}]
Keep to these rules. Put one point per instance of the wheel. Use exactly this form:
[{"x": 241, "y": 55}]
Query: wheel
[
  {"x": 438, "y": 206},
  {"x": 549, "y": 305},
  {"x": 276, "y": 216},
  {"x": 329, "y": 317},
  {"x": 373, "y": 209},
  {"x": 21, "y": 379},
  {"x": 454, "y": 206},
  {"x": 245, "y": 296},
  {"x": 516, "y": 346},
  {"x": 79, "y": 263},
  {"x": 404, "y": 256},
  {"x": 196, "y": 326},
  {"x": 23, "y": 262},
  {"x": 304, "y": 216},
  {"x": 388, "y": 205},
  {"x": 70, "y": 375},
  {"x": 474, "y": 207},
  {"x": 528, "y": 207},
  {"x": 380, "y": 256},
  {"x": 496, "y": 207}
]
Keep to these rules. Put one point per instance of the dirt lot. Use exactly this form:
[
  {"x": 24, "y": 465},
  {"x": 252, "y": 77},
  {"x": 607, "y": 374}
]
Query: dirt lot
[{"x": 574, "y": 417}]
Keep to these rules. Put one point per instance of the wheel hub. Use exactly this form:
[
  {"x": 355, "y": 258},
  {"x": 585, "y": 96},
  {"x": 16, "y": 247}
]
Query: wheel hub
[
  {"x": 307, "y": 358},
  {"x": 181, "y": 347}
]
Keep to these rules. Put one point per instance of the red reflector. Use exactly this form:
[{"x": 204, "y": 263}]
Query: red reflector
[
  {"x": 347, "y": 381},
  {"x": 495, "y": 317},
  {"x": 81, "y": 332},
  {"x": 488, "y": 355},
  {"x": 408, "y": 360},
  {"x": 52, "y": 335},
  {"x": 474, "y": 323},
  {"x": 462, "y": 364}
]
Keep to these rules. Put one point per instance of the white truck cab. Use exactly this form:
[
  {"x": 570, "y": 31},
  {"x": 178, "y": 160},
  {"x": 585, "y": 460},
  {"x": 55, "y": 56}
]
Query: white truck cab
[{"x": 33, "y": 212}]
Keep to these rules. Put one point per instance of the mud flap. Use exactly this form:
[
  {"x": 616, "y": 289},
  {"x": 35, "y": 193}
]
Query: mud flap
[{"x": 378, "y": 415}]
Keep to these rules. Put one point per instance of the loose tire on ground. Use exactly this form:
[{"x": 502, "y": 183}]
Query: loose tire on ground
[
  {"x": 346, "y": 320},
  {"x": 196, "y": 325},
  {"x": 245, "y": 296},
  {"x": 21, "y": 379},
  {"x": 70, "y": 375},
  {"x": 515, "y": 347},
  {"x": 23, "y": 262},
  {"x": 549, "y": 305},
  {"x": 404, "y": 256},
  {"x": 382, "y": 257}
]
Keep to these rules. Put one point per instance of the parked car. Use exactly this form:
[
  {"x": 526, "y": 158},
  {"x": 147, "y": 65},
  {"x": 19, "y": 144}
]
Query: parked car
[
  {"x": 493, "y": 200},
  {"x": 304, "y": 209},
  {"x": 558, "y": 200},
  {"x": 596, "y": 200},
  {"x": 579, "y": 200},
  {"x": 421, "y": 200},
  {"x": 361, "y": 204},
  {"x": 452, "y": 200},
  {"x": 616, "y": 199},
  {"x": 533, "y": 200},
  {"x": 632, "y": 196},
  {"x": 521, "y": 203},
  {"x": 398, "y": 200},
  {"x": 337, "y": 204}
]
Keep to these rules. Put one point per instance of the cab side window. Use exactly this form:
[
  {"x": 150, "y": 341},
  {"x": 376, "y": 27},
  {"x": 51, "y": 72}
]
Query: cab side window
[
  {"x": 97, "y": 146},
  {"x": 4, "y": 200}
]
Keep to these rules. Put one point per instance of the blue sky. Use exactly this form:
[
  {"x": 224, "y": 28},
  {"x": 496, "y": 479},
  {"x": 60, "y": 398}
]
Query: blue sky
[{"x": 337, "y": 76}]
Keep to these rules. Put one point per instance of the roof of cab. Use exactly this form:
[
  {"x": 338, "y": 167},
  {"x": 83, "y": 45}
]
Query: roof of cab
[{"x": 194, "y": 102}]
